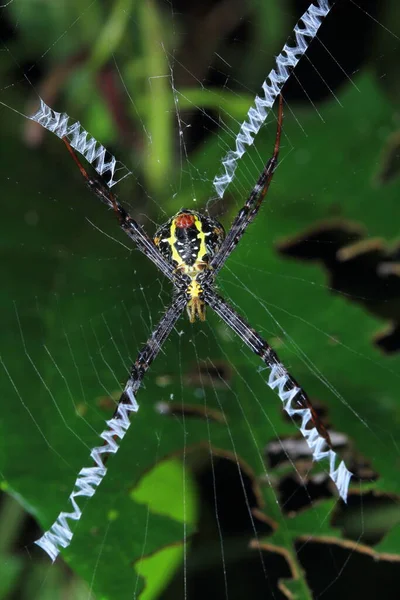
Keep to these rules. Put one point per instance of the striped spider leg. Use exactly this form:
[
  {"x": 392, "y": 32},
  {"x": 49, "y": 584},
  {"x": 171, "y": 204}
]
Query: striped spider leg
[
  {"x": 143, "y": 242},
  {"x": 252, "y": 205},
  {"x": 89, "y": 478},
  {"x": 295, "y": 400}
]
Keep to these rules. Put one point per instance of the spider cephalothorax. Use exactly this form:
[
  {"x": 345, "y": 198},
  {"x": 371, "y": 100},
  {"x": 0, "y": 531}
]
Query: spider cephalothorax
[{"x": 188, "y": 241}]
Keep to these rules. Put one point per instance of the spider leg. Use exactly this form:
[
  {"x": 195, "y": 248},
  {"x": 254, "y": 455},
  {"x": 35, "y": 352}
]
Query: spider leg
[
  {"x": 296, "y": 402},
  {"x": 252, "y": 205},
  {"x": 60, "y": 535},
  {"x": 143, "y": 242}
]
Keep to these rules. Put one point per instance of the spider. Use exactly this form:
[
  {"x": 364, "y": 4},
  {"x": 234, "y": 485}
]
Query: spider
[{"x": 190, "y": 249}]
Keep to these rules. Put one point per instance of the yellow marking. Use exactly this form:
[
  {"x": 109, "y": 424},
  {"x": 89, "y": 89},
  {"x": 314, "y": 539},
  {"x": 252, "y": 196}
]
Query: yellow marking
[
  {"x": 194, "y": 289},
  {"x": 172, "y": 241},
  {"x": 202, "y": 237},
  {"x": 195, "y": 307}
]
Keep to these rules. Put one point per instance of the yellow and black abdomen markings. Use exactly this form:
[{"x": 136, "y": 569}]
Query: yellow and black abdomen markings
[{"x": 189, "y": 240}]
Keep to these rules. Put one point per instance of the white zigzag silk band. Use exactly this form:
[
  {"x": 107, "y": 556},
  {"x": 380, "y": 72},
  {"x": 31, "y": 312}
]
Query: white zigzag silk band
[
  {"x": 278, "y": 378},
  {"x": 305, "y": 31},
  {"x": 60, "y": 123},
  {"x": 59, "y": 535}
]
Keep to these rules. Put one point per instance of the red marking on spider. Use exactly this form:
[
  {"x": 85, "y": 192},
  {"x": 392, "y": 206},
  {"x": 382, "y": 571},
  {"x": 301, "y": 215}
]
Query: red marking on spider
[{"x": 184, "y": 220}]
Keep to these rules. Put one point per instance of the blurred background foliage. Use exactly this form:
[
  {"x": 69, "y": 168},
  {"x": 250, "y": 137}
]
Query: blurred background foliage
[{"x": 162, "y": 85}]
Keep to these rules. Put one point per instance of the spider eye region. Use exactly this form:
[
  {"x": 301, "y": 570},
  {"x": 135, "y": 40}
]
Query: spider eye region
[
  {"x": 189, "y": 240},
  {"x": 184, "y": 220}
]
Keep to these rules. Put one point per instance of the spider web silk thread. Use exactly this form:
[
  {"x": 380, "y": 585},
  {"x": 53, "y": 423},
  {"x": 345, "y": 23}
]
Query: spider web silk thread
[
  {"x": 274, "y": 82},
  {"x": 278, "y": 378},
  {"x": 89, "y": 478},
  {"x": 94, "y": 152}
]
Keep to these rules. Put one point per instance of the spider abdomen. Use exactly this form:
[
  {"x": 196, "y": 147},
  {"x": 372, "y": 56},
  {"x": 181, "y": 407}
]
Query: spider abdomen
[{"x": 189, "y": 240}]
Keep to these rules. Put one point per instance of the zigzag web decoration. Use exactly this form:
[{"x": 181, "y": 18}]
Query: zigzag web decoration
[
  {"x": 89, "y": 478},
  {"x": 279, "y": 378},
  {"x": 82, "y": 141},
  {"x": 305, "y": 31}
]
